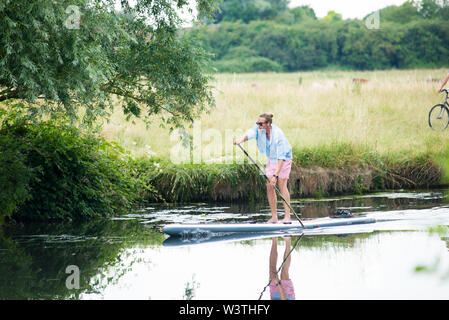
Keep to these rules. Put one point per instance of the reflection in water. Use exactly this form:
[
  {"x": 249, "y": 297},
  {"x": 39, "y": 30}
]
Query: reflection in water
[
  {"x": 125, "y": 257},
  {"x": 281, "y": 287},
  {"x": 372, "y": 202},
  {"x": 190, "y": 287},
  {"x": 33, "y": 262},
  {"x": 308, "y": 208}
]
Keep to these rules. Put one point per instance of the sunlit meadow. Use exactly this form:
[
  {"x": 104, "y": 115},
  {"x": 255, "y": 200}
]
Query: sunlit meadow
[{"x": 386, "y": 114}]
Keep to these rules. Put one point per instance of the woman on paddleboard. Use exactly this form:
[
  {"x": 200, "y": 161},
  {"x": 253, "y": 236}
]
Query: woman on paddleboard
[{"x": 271, "y": 141}]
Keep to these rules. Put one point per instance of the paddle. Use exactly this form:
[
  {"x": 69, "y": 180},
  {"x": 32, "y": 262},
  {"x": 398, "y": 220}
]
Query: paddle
[{"x": 275, "y": 187}]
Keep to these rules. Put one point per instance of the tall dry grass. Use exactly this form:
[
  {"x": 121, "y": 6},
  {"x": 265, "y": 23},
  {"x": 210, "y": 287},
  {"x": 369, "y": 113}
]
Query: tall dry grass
[{"x": 387, "y": 115}]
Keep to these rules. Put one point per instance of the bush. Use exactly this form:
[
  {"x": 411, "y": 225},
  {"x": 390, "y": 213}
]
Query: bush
[
  {"x": 52, "y": 171},
  {"x": 239, "y": 53},
  {"x": 249, "y": 64},
  {"x": 14, "y": 176}
]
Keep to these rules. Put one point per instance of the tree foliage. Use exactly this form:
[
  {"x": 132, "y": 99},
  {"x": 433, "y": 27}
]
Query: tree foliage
[
  {"x": 411, "y": 35},
  {"x": 69, "y": 58},
  {"x": 53, "y": 171},
  {"x": 249, "y": 10},
  {"x": 62, "y": 56}
]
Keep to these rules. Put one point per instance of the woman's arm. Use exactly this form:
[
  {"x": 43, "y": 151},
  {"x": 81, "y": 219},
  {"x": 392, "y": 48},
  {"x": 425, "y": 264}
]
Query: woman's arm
[{"x": 242, "y": 139}]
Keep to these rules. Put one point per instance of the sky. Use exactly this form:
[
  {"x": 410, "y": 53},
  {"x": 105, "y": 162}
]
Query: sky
[{"x": 349, "y": 9}]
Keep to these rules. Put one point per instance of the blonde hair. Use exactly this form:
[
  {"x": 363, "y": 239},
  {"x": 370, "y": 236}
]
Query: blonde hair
[{"x": 268, "y": 117}]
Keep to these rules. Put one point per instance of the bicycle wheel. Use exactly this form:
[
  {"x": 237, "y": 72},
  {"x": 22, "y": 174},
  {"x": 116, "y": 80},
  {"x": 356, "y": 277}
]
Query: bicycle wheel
[{"x": 439, "y": 117}]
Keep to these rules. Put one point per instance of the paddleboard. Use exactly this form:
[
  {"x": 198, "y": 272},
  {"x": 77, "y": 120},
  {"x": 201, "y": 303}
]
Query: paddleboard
[
  {"x": 175, "y": 241},
  {"x": 207, "y": 228}
]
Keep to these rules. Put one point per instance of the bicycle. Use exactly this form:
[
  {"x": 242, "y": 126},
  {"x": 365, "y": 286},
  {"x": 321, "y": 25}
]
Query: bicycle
[{"x": 439, "y": 114}]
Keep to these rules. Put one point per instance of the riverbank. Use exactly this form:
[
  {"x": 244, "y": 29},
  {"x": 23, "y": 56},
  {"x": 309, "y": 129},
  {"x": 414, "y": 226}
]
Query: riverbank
[
  {"x": 52, "y": 172},
  {"x": 243, "y": 182},
  {"x": 348, "y": 136}
]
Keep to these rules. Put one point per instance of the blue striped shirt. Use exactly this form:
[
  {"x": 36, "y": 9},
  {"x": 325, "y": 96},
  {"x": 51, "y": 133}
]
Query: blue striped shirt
[{"x": 277, "y": 148}]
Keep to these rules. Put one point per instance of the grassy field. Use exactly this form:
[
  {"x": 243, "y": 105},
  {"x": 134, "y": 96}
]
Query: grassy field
[{"x": 316, "y": 110}]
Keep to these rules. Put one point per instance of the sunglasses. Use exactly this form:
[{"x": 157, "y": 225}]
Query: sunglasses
[{"x": 260, "y": 123}]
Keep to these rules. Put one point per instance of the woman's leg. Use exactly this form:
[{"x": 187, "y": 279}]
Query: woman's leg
[
  {"x": 272, "y": 201},
  {"x": 282, "y": 183}
]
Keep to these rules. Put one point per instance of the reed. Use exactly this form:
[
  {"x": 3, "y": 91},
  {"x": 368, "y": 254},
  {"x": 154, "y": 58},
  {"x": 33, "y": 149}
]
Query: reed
[{"x": 200, "y": 182}]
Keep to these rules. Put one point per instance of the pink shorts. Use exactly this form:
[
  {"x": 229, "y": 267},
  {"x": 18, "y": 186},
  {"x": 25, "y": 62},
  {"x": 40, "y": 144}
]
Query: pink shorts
[
  {"x": 285, "y": 170},
  {"x": 287, "y": 285}
]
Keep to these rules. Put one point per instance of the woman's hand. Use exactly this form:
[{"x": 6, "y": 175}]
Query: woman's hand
[{"x": 239, "y": 141}]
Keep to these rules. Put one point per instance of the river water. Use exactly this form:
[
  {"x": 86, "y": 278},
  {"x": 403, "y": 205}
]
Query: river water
[{"x": 404, "y": 255}]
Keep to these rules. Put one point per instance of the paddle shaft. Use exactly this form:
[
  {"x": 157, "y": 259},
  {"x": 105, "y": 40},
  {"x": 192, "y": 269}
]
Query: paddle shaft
[{"x": 275, "y": 187}]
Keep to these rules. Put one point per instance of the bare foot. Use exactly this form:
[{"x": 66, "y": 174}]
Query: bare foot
[
  {"x": 273, "y": 220},
  {"x": 286, "y": 220}
]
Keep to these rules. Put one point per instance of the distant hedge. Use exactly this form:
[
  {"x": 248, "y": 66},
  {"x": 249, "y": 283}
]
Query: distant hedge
[
  {"x": 318, "y": 44},
  {"x": 250, "y": 64}
]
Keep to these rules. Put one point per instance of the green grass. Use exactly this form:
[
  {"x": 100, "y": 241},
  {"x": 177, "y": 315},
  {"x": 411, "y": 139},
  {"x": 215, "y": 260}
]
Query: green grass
[
  {"x": 330, "y": 121},
  {"x": 319, "y": 112}
]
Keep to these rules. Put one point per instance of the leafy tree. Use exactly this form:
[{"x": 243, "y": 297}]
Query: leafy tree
[
  {"x": 413, "y": 10},
  {"x": 272, "y": 44},
  {"x": 296, "y": 15},
  {"x": 404, "y": 13},
  {"x": 407, "y": 38},
  {"x": 66, "y": 58},
  {"x": 249, "y": 10},
  {"x": 62, "y": 56},
  {"x": 333, "y": 16},
  {"x": 303, "y": 13},
  {"x": 425, "y": 44},
  {"x": 429, "y": 8}
]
